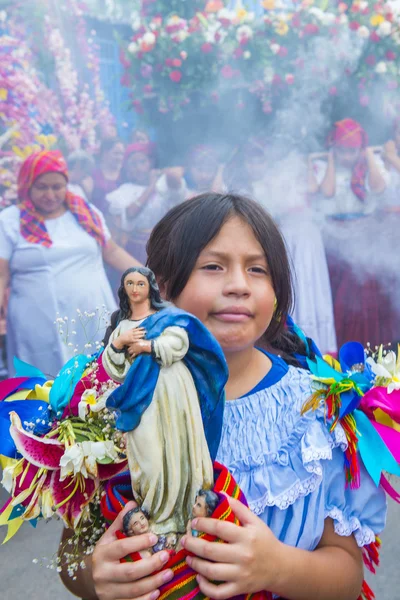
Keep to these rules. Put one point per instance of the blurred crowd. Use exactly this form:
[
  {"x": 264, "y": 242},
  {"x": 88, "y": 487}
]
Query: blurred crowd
[{"x": 339, "y": 212}]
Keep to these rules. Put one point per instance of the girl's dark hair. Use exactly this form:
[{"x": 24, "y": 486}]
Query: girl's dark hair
[
  {"x": 108, "y": 144},
  {"x": 178, "y": 239},
  {"x": 124, "y": 311}
]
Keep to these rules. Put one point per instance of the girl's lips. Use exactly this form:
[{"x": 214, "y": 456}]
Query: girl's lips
[{"x": 233, "y": 315}]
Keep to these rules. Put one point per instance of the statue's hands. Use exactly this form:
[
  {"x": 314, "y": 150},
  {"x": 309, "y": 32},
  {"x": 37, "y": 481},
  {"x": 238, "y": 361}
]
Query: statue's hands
[
  {"x": 249, "y": 562},
  {"x": 139, "y": 347},
  {"x": 115, "y": 580},
  {"x": 129, "y": 337}
]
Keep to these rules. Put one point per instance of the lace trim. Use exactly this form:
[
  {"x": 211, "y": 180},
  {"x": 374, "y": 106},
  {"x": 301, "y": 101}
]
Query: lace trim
[{"x": 347, "y": 526}]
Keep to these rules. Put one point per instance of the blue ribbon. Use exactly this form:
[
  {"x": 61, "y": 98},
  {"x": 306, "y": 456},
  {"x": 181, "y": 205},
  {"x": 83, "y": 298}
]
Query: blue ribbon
[
  {"x": 31, "y": 411},
  {"x": 374, "y": 453},
  {"x": 64, "y": 385}
]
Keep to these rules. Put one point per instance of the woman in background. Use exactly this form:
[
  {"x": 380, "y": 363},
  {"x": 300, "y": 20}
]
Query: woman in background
[
  {"x": 107, "y": 175},
  {"x": 52, "y": 247},
  {"x": 144, "y": 197}
]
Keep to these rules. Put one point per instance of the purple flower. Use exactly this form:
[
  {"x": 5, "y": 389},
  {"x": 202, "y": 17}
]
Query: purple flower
[{"x": 146, "y": 71}]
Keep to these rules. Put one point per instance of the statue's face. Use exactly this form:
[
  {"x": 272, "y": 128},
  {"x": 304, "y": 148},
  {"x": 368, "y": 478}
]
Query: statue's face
[
  {"x": 137, "y": 288},
  {"x": 199, "y": 508},
  {"x": 138, "y": 524}
]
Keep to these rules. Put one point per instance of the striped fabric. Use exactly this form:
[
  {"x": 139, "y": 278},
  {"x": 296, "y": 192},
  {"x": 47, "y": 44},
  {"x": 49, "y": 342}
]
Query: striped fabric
[
  {"x": 32, "y": 223},
  {"x": 184, "y": 585}
]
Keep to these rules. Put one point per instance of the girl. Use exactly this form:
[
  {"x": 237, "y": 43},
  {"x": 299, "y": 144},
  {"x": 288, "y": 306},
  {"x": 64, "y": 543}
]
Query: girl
[{"x": 222, "y": 258}]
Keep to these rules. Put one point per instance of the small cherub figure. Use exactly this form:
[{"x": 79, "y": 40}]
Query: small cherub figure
[
  {"x": 204, "y": 506},
  {"x": 136, "y": 522}
]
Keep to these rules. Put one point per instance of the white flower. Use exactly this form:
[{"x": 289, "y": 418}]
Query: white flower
[
  {"x": 363, "y": 32},
  {"x": 363, "y": 5},
  {"x": 82, "y": 458},
  {"x": 244, "y": 32},
  {"x": 384, "y": 29},
  {"x": 268, "y": 74},
  {"x": 8, "y": 478},
  {"x": 226, "y": 14},
  {"x": 275, "y": 48},
  {"x": 3, "y": 16},
  {"x": 387, "y": 368},
  {"x": 180, "y": 36},
  {"x": 343, "y": 19},
  {"x": 381, "y": 67},
  {"x": 149, "y": 38},
  {"x": 90, "y": 403},
  {"x": 246, "y": 54}
]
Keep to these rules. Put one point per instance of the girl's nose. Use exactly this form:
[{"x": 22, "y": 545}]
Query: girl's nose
[{"x": 237, "y": 282}]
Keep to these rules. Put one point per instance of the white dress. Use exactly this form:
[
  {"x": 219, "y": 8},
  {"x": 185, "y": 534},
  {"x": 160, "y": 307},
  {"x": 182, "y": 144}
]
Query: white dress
[
  {"x": 313, "y": 309},
  {"x": 47, "y": 283},
  {"x": 167, "y": 453}
]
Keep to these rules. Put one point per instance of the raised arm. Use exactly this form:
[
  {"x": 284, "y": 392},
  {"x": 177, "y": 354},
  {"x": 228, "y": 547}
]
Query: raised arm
[
  {"x": 375, "y": 178},
  {"x": 328, "y": 184},
  {"x": 4, "y": 281},
  {"x": 391, "y": 155},
  {"x": 118, "y": 258}
]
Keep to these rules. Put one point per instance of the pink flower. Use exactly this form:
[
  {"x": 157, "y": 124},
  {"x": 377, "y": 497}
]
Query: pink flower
[
  {"x": 206, "y": 48},
  {"x": 289, "y": 78},
  {"x": 227, "y": 72},
  {"x": 390, "y": 55},
  {"x": 311, "y": 29},
  {"x": 370, "y": 60},
  {"x": 374, "y": 37},
  {"x": 364, "y": 100},
  {"x": 176, "y": 62},
  {"x": 333, "y": 91},
  {"x": 215, "y": 97},
  {"x": 138, "y": 107},
  {"x": 354, "y": 25},
  {"x": 266, "y": 107},
  {"x": 277, "y": 79},
  {"x": 147, "y": 88},
  {"x": 169, "y": 62},
  {"x": 175, "y": 76},
  {"x": 283, "y": 51},
  {"x": 238, "y": 53}
]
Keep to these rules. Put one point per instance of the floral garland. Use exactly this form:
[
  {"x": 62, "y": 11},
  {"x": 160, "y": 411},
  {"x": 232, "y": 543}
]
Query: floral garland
[{"x": 171, "y": 57}]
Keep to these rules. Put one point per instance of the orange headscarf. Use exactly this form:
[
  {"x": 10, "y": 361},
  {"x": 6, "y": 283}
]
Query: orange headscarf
[{"x": 32, "y": 223}]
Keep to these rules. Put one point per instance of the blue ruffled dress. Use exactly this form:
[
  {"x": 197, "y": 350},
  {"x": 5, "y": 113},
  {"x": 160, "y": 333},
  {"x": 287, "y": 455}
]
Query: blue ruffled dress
[{"x": 291, "y": 468}]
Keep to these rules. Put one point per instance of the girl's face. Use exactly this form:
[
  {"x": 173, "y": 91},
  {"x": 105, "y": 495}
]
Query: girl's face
[
  {"x": 347, "y": 157},
  {"x": 230, "y": 289},
  {"x": 138, "y": 168}
]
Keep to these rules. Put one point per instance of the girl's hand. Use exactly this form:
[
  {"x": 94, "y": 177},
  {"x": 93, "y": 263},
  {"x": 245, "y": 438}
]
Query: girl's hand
[
  {"x": 248, "y": 563},
  {"x": 114, "y": 580}
]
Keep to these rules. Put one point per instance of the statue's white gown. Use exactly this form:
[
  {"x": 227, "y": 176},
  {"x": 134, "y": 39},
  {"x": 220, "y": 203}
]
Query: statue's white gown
[{"x": 167, "y": 453}]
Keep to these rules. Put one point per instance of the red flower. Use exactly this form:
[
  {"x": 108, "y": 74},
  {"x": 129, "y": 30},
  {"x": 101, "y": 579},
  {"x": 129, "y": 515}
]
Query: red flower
[
  {"x": 390, "y": 55},
  {"x": 283, "y": 51},
  {"x": 311, "y": 29},
  {"x": 296, "y": 21},
  {"x": 238, "y": 53},
  {"x": 227, "y": 72},
  {"x": 206, "y": 48},
  {"x": 374, "y": 37},
  {"x": 175, "y": 76},
  {"x": 354, "y": 25},
  {"x": 137, "y": 105},
  {"x": 370, "y": 60},
  {"x": 176, "y": 62}
]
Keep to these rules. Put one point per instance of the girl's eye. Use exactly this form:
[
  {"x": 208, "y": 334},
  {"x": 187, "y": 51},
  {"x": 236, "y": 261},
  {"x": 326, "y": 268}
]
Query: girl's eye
[
  {"x": 211, "y": 267},
  {"x": 261, "y": 270}
]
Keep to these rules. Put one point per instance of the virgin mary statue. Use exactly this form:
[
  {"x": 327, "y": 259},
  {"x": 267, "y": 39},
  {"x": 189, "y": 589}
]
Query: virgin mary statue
[{"x": 170, "y": 402}]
